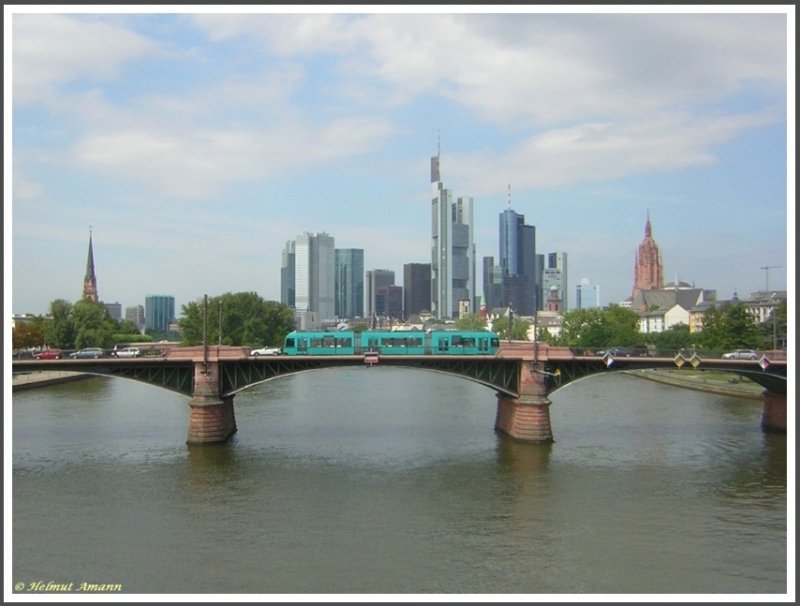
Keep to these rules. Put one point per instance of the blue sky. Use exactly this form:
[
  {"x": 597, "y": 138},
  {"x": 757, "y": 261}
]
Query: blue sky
[{"x": 195, "y": 144}]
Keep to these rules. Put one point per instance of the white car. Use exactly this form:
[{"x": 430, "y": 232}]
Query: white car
[
  {"x": 741, "y": 354},
  {"x": 127, "y": 352},
  {"x": 266, "y": 351}
]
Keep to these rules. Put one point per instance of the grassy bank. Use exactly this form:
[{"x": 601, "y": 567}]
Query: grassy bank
[{"x": 703, "y": 380}]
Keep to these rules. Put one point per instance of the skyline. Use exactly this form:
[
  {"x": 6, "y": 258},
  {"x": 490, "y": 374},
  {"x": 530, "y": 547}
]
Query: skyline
[{"x": 195, "y": 145}]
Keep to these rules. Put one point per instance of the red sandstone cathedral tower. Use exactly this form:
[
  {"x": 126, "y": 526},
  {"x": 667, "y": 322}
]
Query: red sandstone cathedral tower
[{"x": 648, "y": 271}]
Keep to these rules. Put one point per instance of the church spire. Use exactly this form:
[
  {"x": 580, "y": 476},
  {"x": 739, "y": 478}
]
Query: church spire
[
  {"x": 90, "y": 280},
  {"x": 648, "y": 268}
]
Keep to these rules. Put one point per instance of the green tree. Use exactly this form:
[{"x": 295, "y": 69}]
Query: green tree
[
  {"x": 519, "y": 328},
  {"x": 774, "y": 328},
  {"x": 730, "y": 327},
  {"x": 471, "y": 322},
  {"x": 623, "y": 326},
  {"x": 675, "y": 338},
  {"x": 28, "y": 334},
  {"x": 242, "y": 318},
  {"x": 93, "y": 326},
  {"x": 585, "y": 328},
  {"x": 59, "y": 331}
]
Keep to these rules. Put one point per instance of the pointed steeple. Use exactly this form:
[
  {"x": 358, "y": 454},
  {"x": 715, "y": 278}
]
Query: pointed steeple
[
  {"x": 90, "y": 280},
  {"x": 648, "y": 268}
]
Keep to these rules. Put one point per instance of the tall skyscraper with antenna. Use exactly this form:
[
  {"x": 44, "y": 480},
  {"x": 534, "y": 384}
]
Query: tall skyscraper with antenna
[
  {"x": 90, "y": 280},
  {"x": 452, "y": 249}
]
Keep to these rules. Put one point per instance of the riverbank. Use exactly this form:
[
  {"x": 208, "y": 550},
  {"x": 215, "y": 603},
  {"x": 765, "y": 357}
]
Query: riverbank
[
  {"x": 703, "y": 380},
  {"x": 29, "y": 380}
]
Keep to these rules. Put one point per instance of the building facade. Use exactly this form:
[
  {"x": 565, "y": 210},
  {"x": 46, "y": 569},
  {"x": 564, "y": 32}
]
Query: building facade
[
  {"x": 452, "y": 249},
  {"x": 518, "y": 265},
  {"x": 587, "y": 295},
  {"x": 556, "y": 274},
  {"x": 114, "y": 310},
  {"x": 648, "y": 269},
  {"x": 416, "y": 289},
  {"x": 315, "y": 274},
  {"x": 135, "y": 314},
  {"x": 287, "y": 274},
  {"x": 349, "y": 283},
  {"x": 376, "y": 283},
  {"x": 159, "y": 311}
]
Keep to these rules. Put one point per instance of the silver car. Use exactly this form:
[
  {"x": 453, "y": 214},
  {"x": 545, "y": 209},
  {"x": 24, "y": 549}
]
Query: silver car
[
  {"x": 741, "y": 354},
  {"x": 266, "y": 351},
  {"x": 88, "y": 352}
]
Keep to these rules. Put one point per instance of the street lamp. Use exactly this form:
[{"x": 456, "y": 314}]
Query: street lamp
[
  {"x": 766, "y": 269},
  {"x": 774, "y": 311}
]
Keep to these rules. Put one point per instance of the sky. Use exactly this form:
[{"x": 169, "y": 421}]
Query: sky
[{"x": 194, "y": 144}]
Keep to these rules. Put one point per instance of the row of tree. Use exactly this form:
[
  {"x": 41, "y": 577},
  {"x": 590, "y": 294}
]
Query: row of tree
[
  {"x": 232, "y": 319},
  {"x": 726, "y": 327},
  {"x": 246, "y": 319}
]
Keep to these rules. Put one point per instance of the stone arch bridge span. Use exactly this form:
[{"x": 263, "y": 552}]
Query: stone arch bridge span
[{"x": 521, "y": 377}]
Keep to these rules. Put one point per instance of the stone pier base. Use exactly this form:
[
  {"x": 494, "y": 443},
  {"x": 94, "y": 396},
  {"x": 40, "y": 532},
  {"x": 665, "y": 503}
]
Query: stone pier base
[
  {"x": 526, "y": 418},
  {"x": 524, "y": 421},
  {"x": 773, "y": 417},
  {"x": 211, "y": 421}
]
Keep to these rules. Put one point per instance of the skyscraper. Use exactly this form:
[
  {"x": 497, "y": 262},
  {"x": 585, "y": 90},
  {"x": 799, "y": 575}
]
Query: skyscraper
[
  {"x": 416, "y": 288},
  {"x": 287, "y": 274},
  {"x": 492, "y": 284},
  {"x": 315, "y": 274},
  {"x": 452, "y": 249},
  {"x": 520, "y": 283},
  {"x": 90, "y": 280},
  {"x": 648, "y": 270},
  {"x": 159, "y": 311},
  {"x": 377, "y": 282},
  {"x": 588, "y": 295},
  {"x": 349, "y": 282},
  {"x": 555, "y": 274}
]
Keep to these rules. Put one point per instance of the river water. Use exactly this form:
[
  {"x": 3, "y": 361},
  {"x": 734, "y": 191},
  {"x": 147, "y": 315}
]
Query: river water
[{"x": 391, "y": 481}]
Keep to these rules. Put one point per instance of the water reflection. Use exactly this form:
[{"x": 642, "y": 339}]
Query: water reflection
[{"x": 380, "y": 481}]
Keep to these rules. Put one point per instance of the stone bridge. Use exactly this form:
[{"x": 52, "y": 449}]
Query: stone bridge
[{"x": 521, "y": 376}]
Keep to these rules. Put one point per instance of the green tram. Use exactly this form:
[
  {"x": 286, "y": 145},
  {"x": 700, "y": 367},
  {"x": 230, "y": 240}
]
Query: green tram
[{"x": 409, "y": 343}]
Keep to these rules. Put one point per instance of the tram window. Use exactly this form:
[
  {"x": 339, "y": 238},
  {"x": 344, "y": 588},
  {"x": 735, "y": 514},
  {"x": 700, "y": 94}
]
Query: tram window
[
  {"x": 443, "y": 345},
  {"x": 484, "y": 344},
  {"x": 302, "y": 344},
  {"x": 328, "y": 342},
  {"x": 495, "y": 342},
  {"x": 468, "y": 342},
  {"x": 289, "y": 343}
]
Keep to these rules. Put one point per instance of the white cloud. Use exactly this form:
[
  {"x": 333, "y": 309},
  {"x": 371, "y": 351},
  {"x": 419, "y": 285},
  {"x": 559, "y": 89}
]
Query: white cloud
[
  {"x": 594, "y": 152},
  {"x": 197, "y": 163},
  {"x": 53, "y": 49}
]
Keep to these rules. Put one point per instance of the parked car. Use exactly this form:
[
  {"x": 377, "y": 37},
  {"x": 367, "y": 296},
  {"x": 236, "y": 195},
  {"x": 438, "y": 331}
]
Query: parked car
[
  {"x": 127, "y": 352},
  {"x": 624, "y": 352},
  {"x": 88, "y": 352},
  {"x": 266, "y": 351},
  {"x": 741, "y": 354},
  {"x": 152, "y": 352},
  {"x": 49, "y": 354}
]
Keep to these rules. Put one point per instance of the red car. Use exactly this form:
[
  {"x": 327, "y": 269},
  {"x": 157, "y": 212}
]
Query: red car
[{"x": 49, "y": 354}]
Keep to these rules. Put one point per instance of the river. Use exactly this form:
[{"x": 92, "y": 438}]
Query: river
[{"x": 390, "y": 481}]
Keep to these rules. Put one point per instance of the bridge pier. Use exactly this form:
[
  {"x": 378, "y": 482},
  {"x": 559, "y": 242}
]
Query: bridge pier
[
  {"x": 773, "y": 417},
  {"x": 526, "y": 418},
  {"x": 211, "y": 418}
]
